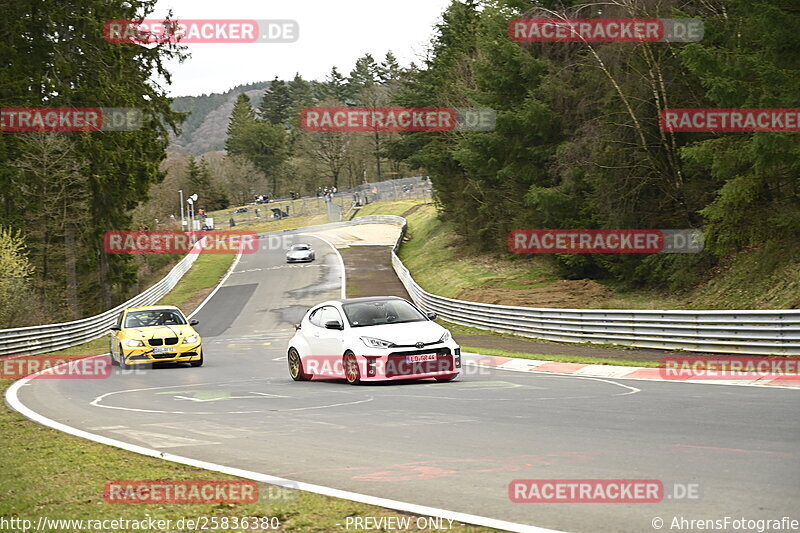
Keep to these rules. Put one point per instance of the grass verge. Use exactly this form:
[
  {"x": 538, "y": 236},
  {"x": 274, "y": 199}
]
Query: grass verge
[
  {"x": 390, "y": 207},
  {"x": 561, "y": 358},
  {"x": 436, "y": 259},
  {"x": 766, "y": 277},
  {"x": 51, "y": 474}
]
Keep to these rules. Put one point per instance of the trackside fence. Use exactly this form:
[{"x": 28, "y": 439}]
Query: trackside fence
[
  {"x": 738, "y": 332},
  {"x": 753, "y": 332},
  {"x": 52, "y": 337}
]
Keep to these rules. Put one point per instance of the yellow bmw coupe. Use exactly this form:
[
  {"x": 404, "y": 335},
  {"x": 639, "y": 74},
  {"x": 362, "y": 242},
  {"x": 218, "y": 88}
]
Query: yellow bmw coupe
[{"x": 154, "y": 334}]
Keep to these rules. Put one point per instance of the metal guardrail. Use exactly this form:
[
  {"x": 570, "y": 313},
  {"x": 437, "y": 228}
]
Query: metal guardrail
[
  {"x": 739, "y": 332},
  {"x": 52, "y": 337}
]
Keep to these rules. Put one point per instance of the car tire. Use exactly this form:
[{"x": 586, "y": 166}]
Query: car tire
[
  {"x": 122, "y": 364},
  {"x": 296, "y": 366},
  {"x": 197, "y": 363},
  {"x": 446, "y": 378},
  {"x": 111, "y": 352},
  {"x": 350, "y": 365}
]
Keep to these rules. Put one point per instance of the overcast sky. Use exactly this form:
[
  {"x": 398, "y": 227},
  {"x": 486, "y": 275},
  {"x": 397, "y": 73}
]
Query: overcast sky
[{"x": 332, "y": 33}]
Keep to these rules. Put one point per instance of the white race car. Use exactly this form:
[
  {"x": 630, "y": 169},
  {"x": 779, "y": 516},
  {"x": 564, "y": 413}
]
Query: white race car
[
  {"x": 300, "y": 252},
  {"x": 372, "y": 339}
]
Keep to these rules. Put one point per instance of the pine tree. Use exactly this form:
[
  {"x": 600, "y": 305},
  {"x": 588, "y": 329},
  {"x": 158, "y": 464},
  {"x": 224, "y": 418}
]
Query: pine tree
[
  {"x": 211, "y": 195},
  {"x": 302, "y": 96},
  {"x": 242, "y": 116},
  {"x": 364, "y": 75},
  {"x": 192, "y": 171},
  {"x": 336, "y": 87},
  {"x": 276, "y": 103},
  {"x": 389, "y": 70}
]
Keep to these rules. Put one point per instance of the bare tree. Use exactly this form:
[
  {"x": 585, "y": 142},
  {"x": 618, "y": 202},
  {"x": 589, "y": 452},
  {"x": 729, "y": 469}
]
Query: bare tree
[{"x": 51, "y": 174}]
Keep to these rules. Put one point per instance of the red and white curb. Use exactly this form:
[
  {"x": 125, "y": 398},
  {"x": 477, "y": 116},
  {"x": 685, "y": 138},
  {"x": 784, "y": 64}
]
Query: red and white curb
[{"x": 621, "y": 372}]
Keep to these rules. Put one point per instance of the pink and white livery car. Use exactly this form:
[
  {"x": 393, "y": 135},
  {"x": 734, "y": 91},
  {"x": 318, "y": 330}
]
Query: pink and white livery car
[{"x": 372, "y": 339}]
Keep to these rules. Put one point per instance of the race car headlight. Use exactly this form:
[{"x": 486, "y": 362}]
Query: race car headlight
[
  {"x": 376, "y": 343},
  {"x": 190, "y": 339},
  {"x": 445, "y": 336},
  {"x": 132, "y": 343}
]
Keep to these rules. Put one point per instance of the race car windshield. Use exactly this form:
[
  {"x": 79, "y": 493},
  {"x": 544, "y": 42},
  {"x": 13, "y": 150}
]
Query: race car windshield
[
  {"x": 362, "y": 314},
  {"x": 301, "y": 247},
  {"x": 143, "y": 319}
]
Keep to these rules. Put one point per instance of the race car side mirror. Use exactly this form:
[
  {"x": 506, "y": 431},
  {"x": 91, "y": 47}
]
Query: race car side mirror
[{"x": 194, "y": 322}]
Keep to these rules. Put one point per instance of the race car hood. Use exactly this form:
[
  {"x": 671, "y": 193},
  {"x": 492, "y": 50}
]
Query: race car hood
[
  {"x": 299, "y": 254},
  {"x": 406, "y": 333},
  {"x": 159, "y": 332}
]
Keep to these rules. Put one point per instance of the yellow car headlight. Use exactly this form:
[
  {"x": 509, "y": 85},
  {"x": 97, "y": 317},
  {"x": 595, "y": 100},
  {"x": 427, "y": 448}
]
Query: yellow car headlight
[
  {"x": 132, "y": 343},
  {"x": 190, "y": 339}
]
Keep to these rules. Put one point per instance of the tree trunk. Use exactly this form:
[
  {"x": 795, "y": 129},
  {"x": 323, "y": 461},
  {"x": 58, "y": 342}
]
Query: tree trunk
[
  {"x": 378, "y": 155},
  {"x": 103, "y": 275},
  {"x": 72, "y": 275}
]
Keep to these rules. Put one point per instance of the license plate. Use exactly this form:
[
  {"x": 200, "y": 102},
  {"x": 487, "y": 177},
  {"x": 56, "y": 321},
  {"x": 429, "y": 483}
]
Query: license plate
[
  {"x": 164, "y": 349},
  {"x": 421, "y": 358}
]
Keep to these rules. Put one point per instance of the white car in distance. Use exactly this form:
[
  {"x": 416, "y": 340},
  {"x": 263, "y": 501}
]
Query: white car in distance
[
  {"x": 300, "y": 253},
  {"x": 372, "y": 339}
]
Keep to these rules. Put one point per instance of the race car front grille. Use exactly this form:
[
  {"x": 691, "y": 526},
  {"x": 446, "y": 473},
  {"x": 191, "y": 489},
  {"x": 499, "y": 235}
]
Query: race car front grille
[
  {"x": 442, "y": 350},
  {"x": 163, "y": 355},
  {"x": 414, "y": 345},
  {"x": 169, "y": 341}
]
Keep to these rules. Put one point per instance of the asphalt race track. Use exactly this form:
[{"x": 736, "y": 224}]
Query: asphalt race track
[{"x": 453, "y": 446}]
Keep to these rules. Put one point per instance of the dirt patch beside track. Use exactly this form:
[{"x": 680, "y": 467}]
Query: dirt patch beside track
[
  {"x": 370, "y": 272},
  {"x": 576, "y": 294}
]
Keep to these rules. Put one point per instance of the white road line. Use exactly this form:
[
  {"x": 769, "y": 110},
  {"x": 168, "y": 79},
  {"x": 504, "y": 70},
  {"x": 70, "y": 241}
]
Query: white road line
[
  {"x": 15, "y": 403},
  {"x": 220, "y": 284},
  {"x": 341, "y": 261}
]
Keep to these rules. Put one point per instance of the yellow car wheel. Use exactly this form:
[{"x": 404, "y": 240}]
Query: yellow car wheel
[{"x": 199, "y": 362}]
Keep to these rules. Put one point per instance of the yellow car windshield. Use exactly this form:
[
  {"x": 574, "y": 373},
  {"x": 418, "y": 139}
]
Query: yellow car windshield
[{"x": 143, "y": 319}]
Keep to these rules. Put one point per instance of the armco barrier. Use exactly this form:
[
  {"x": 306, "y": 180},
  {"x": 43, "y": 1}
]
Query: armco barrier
[
  {"x": 51, "y": 337},
  {"x": 738, "y": 332}
]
